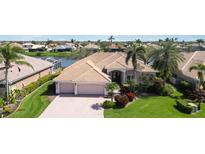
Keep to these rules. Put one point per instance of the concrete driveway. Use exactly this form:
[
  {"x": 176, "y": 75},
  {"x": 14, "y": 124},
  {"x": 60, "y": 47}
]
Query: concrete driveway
[{"x": 66, "y": 106}]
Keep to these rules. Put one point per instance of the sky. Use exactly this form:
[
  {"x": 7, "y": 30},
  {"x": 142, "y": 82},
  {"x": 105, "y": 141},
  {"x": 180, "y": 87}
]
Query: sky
[{"x": 97, "y": 37}]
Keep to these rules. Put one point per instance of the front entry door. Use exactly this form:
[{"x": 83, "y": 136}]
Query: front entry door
[{"x": 116, "y": 77}]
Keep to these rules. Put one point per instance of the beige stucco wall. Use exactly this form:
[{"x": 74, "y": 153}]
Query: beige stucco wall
[
  {"x": 139, "y": 75},
  {"x": 25, "y": 82},
  {"x": 130, "y": 72}
]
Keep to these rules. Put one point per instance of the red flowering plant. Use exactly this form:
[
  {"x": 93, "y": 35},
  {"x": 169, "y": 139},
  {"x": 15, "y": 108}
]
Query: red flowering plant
[{"x": 131, "y": 96}]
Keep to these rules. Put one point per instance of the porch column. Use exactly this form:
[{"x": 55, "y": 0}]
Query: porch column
[
  {"x": 105, "y": 91},
  {"x": 57, "y": 88},
  {"x": 124, "y": 77},
  {"x": 76, "y": 89}
]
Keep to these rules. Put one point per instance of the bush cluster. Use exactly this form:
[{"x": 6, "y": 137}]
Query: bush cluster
[
  {"x": 167, "y": 90},
  {"x": 185, "y": 86},
  {"x": 183, "y": 106},
  {"x": 121, "y": 100},
  {"x": 108, "y": 104},
  {"x": 153, "y": 87}
]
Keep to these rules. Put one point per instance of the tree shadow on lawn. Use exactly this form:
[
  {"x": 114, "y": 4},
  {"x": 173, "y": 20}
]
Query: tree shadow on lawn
[{"x": 50, "y": 92}]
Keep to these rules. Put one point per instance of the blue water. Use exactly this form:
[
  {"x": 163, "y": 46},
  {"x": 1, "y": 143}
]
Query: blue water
[{"x": 65, "y": 62}]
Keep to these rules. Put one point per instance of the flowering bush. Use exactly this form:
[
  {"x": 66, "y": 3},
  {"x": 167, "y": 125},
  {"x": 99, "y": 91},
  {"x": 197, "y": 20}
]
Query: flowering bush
[
  {"x": 121, "y": 101},
  {"x": 131, "y": 96}
]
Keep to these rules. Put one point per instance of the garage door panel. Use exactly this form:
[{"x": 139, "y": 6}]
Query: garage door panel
[
  {"x": 91, "y": 89},
  {"x": 67, "y": 88}
]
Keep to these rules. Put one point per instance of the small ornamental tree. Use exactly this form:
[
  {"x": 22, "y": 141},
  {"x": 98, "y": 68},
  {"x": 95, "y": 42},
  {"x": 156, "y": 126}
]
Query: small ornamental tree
[{"x": 111, "y": 87}]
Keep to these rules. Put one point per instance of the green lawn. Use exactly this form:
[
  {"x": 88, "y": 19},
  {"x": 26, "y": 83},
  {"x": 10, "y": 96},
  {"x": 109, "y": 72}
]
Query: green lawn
[
  {"x": 74, "y": 54},
  {"x": 34, "y": 104},
  {"x": 152, "y": 107}
]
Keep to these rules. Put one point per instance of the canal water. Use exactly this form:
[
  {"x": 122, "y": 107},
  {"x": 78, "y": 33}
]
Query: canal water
[{"x": 65, "y": 62}]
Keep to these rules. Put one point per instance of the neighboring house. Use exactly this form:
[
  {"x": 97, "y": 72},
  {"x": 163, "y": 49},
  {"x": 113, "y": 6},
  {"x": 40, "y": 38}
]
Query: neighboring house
[
  {"x": 116, "y": 47},
  {"x": 92, "y": 47},
  {"x": 33, "y": 47},
  {"x": 191, "y": 58},
  {"x": 91, "y": 74},
  {"x": 66, "y": 47},
  {"x": 21, "y": 75},
  {"x": 72, "y": 46},
  {"x": 27, "y": 45}
]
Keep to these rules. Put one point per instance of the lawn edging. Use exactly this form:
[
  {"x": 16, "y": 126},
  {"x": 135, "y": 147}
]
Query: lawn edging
[{"x": 8, "y": 116}]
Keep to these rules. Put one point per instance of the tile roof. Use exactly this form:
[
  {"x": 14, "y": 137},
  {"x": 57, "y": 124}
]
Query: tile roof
[
  {"x": 192, "y": 58},
  {"x": 92, "y": 46},
  {"x": 14, "y": 73},
  {"x": 90, "y": 69}
]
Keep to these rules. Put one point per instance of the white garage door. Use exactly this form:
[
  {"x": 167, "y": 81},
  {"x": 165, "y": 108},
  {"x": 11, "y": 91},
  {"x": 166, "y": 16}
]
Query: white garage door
[
  {"x": 67, "y": 88},
  {"x": 91, "y": 89}
]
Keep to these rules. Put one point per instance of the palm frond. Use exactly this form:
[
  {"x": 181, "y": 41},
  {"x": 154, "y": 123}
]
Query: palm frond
[
  {"x": 129, "y": 55},
  {"x": 19, "y": 62}
]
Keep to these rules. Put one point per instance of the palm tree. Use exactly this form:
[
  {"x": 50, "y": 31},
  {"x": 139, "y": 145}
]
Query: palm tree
[
  {"x": 166, "y": 59},
  {"x": 111, "y": 38},
  {"x": 137, "y": 52},
  {"x": 138, "y": 41},
  {"x": 10, "y": 54},
  {"x": 200, "y": 41},
  {"x": 200, "y": 68},
  {"x": 72, "y": 40},
  {"x": 111, "y": 87}
]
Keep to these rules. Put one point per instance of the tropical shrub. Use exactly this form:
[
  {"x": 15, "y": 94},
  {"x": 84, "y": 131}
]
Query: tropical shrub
[
  {"x": 185, "y": 86},
  {"x": 167, "y": 90},
  {"x": 154, "y": 86},
  {"x": 158, "y": 85},
  {"x": 176, "y": 94},
  {"x": 121, "y": 101},
  {"x": 124, "y": 89},
  {"x": 131, "y": 96},
  {"x": 195, "y": 95},
  {"x": 142, "y": 87},
  {"x": 108, "y": 104},
  {"x": 1, "y": 102},
  {"x": 183, "y": 106},
  {"x": 12, "y": 97},
  {"x": 7, "y": 109},
  {"x": 111, "y": 87}
]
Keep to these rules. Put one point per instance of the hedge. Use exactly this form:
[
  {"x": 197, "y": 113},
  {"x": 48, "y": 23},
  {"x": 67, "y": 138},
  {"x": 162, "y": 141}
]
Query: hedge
[
  {"x": 183, "y": 106},
  {"x": 108, "y": 104},
  {"x": 34, "y": 85}
]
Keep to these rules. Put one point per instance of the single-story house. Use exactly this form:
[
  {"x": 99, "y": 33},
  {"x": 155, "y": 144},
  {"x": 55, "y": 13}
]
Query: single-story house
[
  {"x": 191, "y": 58},
  {"x": 92, "y": 47},
  {"x": 66, "y": 47},
  {"x": 91, "y": 74},
  {"x": 33, "y": 47},
  {"x": 27, "y": 45},
  {"x": 114, "y": 47},
  {"x": 21, "y": 75}
]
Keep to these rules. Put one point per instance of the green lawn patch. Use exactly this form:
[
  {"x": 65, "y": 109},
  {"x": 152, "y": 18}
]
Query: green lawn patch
[
  {"x": 152, "y": 107},
  {"x": 34, "y": 104},
  {"x": 74, "y": 54}
]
